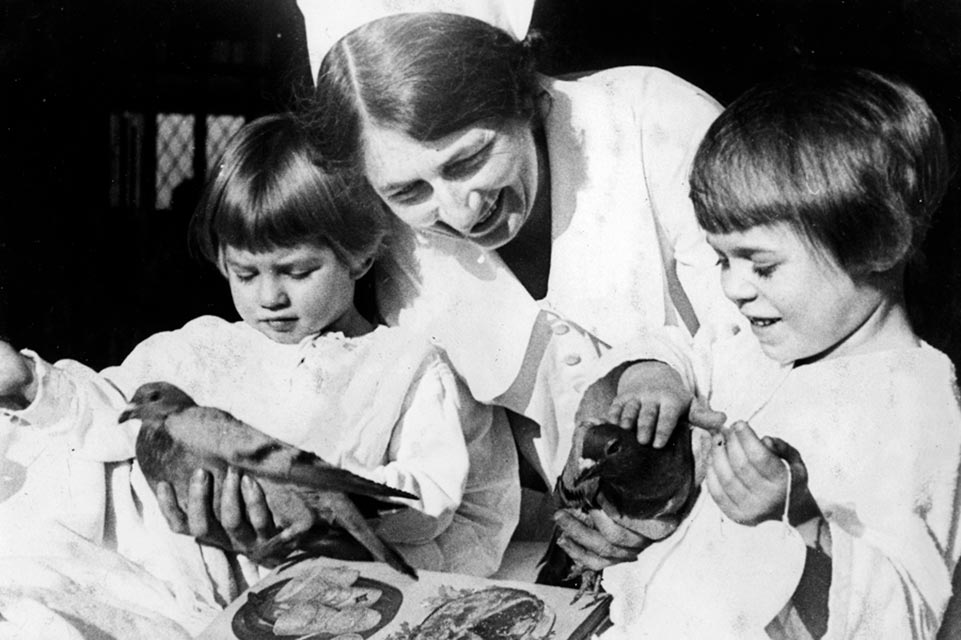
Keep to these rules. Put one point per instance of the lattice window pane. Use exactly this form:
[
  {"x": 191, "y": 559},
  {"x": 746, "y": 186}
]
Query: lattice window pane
[
  {"x": 219, "y": 131},
  {"x": 175, "y": 148}
]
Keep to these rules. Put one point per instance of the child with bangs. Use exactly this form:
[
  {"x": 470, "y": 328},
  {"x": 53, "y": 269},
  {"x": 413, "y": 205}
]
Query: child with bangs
[
  {"x": 830, "y": 502},
  {"x": 303, "y": 365}
]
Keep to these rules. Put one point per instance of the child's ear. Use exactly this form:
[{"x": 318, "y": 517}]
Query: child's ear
[
  {"x": 358, "y": 270},
  {"x": 222, "y": 264}
]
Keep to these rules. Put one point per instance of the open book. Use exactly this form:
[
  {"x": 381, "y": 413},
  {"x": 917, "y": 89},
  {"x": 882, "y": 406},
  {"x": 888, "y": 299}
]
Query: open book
[{"x": 322, "y": 598}]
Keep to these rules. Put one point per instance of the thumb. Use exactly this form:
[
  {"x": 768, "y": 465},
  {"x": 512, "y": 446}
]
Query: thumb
[
  {"x": 702, "y": 416},
  {"x": 782, "y": 449}
]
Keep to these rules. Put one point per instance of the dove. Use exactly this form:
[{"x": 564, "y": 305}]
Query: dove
[
  {"x": 177, "y": 437},
  {"x": 609, "y": 469}
]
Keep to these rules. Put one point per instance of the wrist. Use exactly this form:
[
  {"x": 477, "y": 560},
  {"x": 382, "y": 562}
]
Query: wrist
[{"x": 803, "y": 508}]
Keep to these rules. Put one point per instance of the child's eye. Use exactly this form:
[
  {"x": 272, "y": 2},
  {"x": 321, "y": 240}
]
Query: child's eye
[
  {"x": 764, "y": 271},
  {"x": 301, "y": 275},
  {"x": 244, "y": 276}
]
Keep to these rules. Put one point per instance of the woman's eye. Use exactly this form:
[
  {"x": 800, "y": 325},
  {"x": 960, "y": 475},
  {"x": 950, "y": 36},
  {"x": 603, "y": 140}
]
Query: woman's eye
[
  {"x": 411, "y": 194},
  {"x": 468, "y": 165}
]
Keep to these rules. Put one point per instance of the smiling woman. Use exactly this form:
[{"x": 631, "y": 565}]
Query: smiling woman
[
  {"x": 477, "y": 184},
  {"x": 541, "y": 219}
]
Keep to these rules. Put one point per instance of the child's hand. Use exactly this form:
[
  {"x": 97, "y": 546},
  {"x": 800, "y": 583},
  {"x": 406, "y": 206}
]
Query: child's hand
[
  {"x": 18, "y": 386},
  {"x": 748, "y": 480},
  {"x": 652, "y": 397}
]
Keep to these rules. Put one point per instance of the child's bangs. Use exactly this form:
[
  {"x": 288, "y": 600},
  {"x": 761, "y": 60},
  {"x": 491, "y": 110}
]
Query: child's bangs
[
  {"x": 736, "y": 193},
  {"x": 277, "y": 216}
]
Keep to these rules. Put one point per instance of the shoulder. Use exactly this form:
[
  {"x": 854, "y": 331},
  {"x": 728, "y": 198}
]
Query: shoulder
[
  {"x": 413, "y": 349},
  {"x": 199, "y": 339},
  {"x": 649, "y": 89}
]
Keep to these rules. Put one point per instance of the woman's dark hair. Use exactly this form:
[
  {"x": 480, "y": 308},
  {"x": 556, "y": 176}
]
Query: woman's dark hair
[
  {"x": 268, "y": 192},
  {"x": 854, "y": 161},
  {"x": 425, "y": 74}
]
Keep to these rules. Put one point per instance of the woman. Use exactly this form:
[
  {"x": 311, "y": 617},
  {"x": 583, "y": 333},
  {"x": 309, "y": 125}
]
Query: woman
[{"x": 543, "y": 219}]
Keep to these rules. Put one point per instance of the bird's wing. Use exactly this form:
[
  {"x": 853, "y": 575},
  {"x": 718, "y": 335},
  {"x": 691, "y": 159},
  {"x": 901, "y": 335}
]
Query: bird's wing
[{"x": 218, "y": 434}]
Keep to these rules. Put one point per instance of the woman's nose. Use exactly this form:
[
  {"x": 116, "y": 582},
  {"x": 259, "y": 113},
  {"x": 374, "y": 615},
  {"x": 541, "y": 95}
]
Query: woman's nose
[
  {"x": 272, "y": 294},
  {"x": 459, "y": 208}
]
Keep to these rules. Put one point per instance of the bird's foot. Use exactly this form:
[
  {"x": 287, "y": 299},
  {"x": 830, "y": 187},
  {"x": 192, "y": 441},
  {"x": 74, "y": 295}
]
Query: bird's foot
[{"x": 590, "y": 586}]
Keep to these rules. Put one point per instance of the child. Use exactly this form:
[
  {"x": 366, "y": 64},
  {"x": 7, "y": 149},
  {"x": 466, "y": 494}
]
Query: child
[
  {"x": 304, "y": 365},
  {"x": 841, "y": 521}
]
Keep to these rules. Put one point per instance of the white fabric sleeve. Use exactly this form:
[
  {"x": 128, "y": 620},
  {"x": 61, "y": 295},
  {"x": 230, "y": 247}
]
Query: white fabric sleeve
[
  {"x": 427, "y": 457},
  {"x": 74, "y": 398},
  {"x": 482, "y": 526}
]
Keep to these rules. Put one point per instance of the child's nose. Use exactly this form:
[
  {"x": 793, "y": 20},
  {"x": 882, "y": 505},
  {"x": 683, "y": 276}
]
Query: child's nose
[
  {"x": 272, "y": 294},
  {"x": 737, "y": 288}
]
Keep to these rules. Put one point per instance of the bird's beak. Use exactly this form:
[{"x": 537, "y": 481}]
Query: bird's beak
[{"x": 129, "y": 413}]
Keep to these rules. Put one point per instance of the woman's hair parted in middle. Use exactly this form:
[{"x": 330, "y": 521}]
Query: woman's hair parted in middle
[
  {"x": 424, "y": 74},
  {"x": 854, "y": 161},
  {"x": 269, "y": 192}
]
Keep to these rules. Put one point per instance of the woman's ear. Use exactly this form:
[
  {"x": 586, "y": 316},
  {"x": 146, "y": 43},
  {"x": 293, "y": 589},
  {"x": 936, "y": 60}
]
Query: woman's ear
[{"x": 360, "y": 268}]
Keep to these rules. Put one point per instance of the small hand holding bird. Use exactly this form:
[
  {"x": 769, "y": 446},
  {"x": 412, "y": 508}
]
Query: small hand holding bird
[
  {"x": 629, "y": 477},
  {"x": 640, "y": 487},
  {"x": 177, "y": 437}
]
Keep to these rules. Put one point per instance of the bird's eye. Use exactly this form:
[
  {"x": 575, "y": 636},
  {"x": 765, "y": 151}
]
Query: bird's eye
[
  {"x": 153, "y": 397},
  {"x": 612, "y": 447}
]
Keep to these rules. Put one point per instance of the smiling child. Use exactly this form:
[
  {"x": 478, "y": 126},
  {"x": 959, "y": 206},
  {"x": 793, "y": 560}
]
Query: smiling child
[{"x": 840, "y": 521}]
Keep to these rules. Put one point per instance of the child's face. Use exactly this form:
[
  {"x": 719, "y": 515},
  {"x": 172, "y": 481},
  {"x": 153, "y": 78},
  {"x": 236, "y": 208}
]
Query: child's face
[
  {"x": 291, "y": 293},
  {"x": 799, "y": 301}
]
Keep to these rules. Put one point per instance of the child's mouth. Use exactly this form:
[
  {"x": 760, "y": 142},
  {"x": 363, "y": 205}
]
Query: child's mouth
[{"x": 761, "y": 323}]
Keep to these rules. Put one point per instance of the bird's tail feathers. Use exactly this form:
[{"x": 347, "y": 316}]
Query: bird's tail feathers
[
  {"x": 350, "y": 519},
  {"x": 328, "y": 478}
]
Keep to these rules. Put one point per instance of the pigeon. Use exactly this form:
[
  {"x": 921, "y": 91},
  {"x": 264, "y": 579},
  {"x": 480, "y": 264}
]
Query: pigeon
[
  {"x": 177, "y": 437},
  {"x": 609, "y": 469}
]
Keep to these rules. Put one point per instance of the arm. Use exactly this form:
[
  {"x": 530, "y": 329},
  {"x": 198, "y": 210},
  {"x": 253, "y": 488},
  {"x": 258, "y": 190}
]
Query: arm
[
  {"x": 482, "y": 525},
  {"x": 427, "y": 457}
]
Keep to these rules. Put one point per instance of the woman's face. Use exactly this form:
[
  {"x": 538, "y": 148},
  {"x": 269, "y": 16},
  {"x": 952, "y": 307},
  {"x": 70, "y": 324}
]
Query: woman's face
[{"x": 477, "y": 183}]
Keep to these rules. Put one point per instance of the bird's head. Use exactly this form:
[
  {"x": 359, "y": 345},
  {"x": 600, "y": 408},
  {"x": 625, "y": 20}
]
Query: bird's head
[{"x": 155, "y": 399}]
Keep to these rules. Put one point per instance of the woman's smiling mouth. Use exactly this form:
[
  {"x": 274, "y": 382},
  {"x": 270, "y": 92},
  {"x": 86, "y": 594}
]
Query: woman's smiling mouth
[{"x": 489, "y": 218}]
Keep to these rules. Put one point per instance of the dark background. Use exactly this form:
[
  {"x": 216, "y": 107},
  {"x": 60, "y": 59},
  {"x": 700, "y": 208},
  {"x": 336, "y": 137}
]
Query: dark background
[{"x": 83, "y": 279}]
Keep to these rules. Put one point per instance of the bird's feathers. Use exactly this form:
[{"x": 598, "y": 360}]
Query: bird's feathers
[
  {"x": 608, "y": 469},
  {"x": 177, "y": 437}
]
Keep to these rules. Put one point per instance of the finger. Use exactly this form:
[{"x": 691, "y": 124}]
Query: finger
[
  {"x": 762, "y": 459},
  {"x": 702, "y": 416},
  {"x": 629, "y": 411},
  {"x": 614, "y": 530},
  {"x": 258, "y": 513},
  {"x": 741, "y": 464},
  {"x": 647, "y": 421},
  {"x": 582, "y": 556},
  {"x": 719, "y": 494},
  {"x": 199, "y": 509},
  {"x": 728, "y": 479},
  {"x": 233, "y": 514},
  {"x": 590, "y": 539},
  {"x": 167, "y": 501},
  {"x": 667, "y": 419}
]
